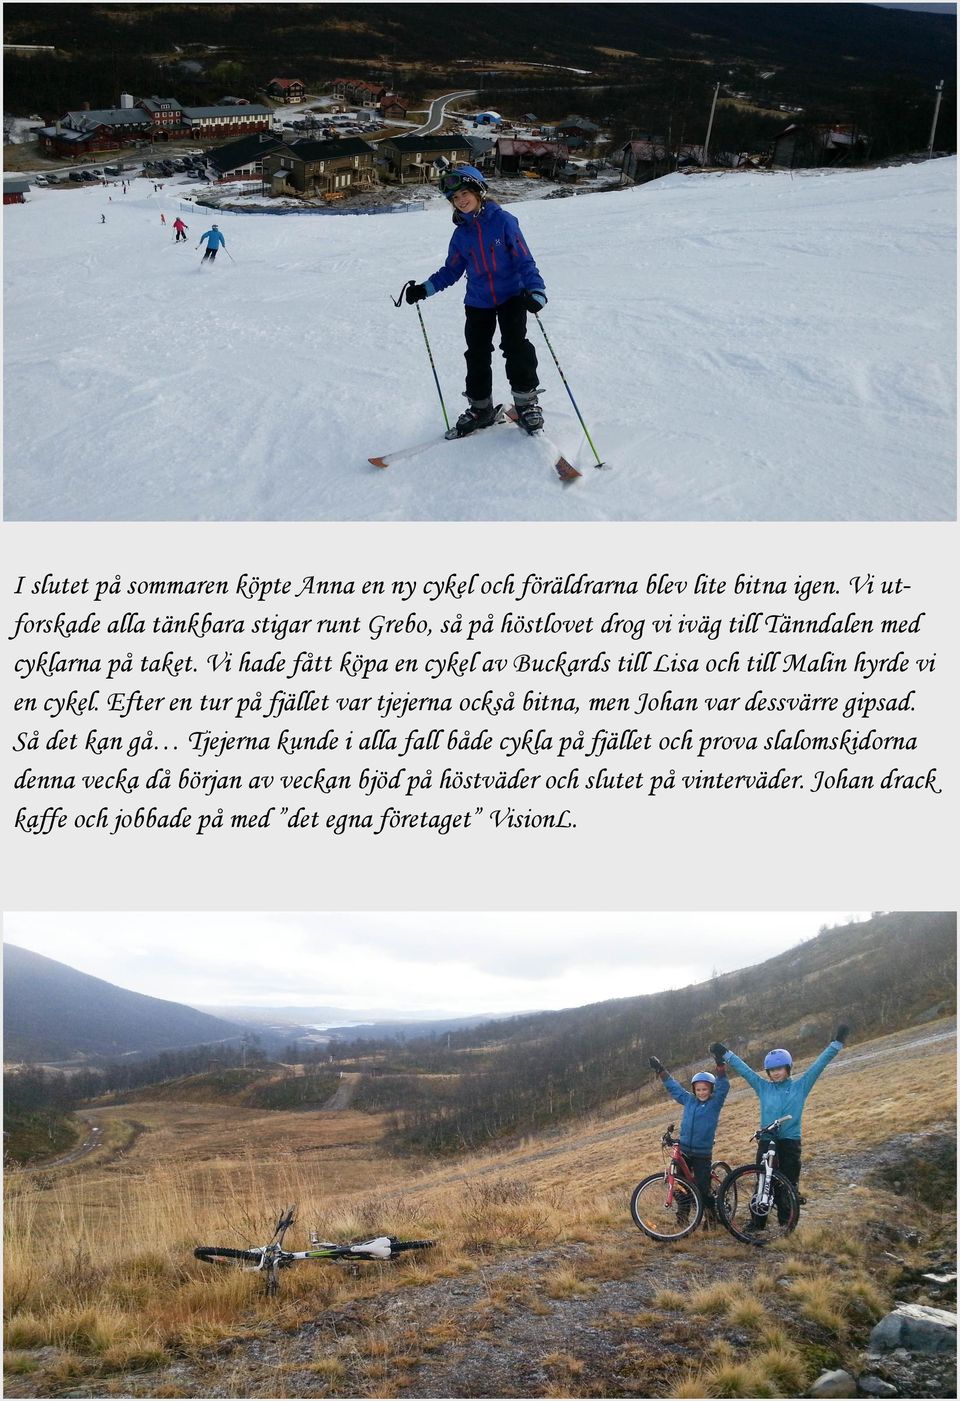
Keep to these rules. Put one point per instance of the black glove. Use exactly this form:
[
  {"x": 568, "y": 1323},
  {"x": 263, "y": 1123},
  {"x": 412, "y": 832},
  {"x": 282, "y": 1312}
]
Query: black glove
[
  {"x": 655, "y": 1064},
  {"x": 416, "y": 292},
  {"x": 718, "y": 1050},
  {"x": 843, "y": 1031},
  {"x": 535, "y": 301}
]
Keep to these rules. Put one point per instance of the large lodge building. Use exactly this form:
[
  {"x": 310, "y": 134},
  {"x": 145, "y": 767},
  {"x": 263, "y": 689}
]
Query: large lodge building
[{"x": 149, "y": 119}]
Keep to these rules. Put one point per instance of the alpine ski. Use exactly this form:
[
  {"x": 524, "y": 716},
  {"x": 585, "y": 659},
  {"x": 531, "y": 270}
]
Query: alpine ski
[{"x": 565, "y": 470}]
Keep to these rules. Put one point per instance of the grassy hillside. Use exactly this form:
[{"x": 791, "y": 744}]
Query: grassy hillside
[
  {"x": 540, "y": 1285},
  {"x": 257, "y": 1087},
  {"x": 525, "y": 1074}
]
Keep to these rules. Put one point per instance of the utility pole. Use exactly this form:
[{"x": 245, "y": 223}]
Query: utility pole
[
  {"x": 706, "y": 144},
  {"x": 936, "y": 116}
]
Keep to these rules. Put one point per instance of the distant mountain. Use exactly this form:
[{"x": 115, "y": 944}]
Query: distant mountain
[
  {"x": 52, "y": 1012},
  {"x": 344, "y": 1023}
]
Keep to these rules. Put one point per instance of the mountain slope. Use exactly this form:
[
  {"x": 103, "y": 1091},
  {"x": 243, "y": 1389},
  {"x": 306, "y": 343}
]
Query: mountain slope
[
  {"x": 887, "y": 973},
  {"x": 54, "y": 1012},
  {"x": 748, "y": 346}
]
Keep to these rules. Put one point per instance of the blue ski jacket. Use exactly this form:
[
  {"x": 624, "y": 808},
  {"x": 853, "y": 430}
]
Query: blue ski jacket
[
  {"x": 489, "y": 247},
  {"x": 215, "y": 238},
  {"x": 789, "y": 1096},
  {"x": 698, "y": 1127}
]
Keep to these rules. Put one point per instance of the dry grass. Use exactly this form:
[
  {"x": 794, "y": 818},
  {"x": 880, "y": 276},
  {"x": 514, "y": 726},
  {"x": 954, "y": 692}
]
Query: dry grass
[{"x": 99, "y": 1257}]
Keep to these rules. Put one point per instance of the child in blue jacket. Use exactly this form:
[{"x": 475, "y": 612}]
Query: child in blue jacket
[
  {"x": 503, "y": 284},
  {"x": 698, "y": 1127},
  {"x": 783, "y": 1093}
]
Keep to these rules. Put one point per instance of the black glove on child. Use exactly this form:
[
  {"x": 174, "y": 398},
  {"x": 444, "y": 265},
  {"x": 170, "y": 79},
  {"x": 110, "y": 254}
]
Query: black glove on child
[
  {"x": 718, "y": 1050},
  {"x": 416, "y": 292},
  {"x": 535, "y": 301},
  {"x": 843, "y": 1031},
  {"x": 656, "y": 1064}
]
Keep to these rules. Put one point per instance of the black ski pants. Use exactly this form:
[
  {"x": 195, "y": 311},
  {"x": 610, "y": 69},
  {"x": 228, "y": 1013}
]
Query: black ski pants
[
  {"x": 700, "y": 1164},
  {"x": 211, "y": 253},
  {"x": 518, "y": 353}
]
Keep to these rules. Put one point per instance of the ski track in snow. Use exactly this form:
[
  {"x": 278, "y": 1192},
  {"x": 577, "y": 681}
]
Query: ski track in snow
[{"x": 742, "y": 347}]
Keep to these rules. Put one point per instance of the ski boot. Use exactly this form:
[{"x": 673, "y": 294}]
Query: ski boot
[
  {"x": 529, "y": 413},
  {"x": 482, "y": 413}
]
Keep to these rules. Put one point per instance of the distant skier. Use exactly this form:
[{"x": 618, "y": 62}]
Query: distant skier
[
  {"x": 181, "y": 229},
  {"x": 103, "y": 218},
  {"x": 503, "y": 284},
  {"x": 163, "y": 219},
  {"x": 215, "y": 241}
]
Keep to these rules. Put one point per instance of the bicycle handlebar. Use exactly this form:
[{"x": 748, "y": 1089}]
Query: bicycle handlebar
[{"x": 770, "y": 1129}]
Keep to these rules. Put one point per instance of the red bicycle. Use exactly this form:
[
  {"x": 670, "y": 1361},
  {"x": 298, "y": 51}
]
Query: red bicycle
[{"x": 668, "y": 1205}]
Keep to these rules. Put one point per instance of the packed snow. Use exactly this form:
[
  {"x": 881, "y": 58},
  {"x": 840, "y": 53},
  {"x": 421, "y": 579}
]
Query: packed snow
[{"x": 742, "y": 346}]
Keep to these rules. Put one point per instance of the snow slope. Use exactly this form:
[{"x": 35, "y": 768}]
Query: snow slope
[{"x": 742, "y": 346}]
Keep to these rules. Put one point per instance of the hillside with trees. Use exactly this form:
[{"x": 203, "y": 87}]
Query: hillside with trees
[{"x": 469, "y": 1089}]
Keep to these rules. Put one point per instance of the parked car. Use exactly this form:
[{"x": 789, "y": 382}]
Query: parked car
[
  {"x": 112, "y": 169},
  {"x": 75, "y": 176}
]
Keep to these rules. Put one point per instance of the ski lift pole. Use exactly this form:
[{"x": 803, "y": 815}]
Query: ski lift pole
[
  {"x": 573, "y": 401},
  {"x": 436, "y": 378}
]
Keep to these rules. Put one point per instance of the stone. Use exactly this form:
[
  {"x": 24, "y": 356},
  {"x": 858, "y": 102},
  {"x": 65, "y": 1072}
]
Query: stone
[
  {"x": 876, "y": 1386},
  {"x": 837, "y": 1383},
  {"x": 918, "y": 1328}
]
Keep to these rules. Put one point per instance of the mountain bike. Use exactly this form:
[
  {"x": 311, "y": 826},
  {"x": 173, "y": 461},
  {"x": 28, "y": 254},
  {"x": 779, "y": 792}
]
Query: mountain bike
[
  {"x": 272, "y": 1258},
  {"x": 668, "y": 1205},
  {"x": 756, "y": 1202}
]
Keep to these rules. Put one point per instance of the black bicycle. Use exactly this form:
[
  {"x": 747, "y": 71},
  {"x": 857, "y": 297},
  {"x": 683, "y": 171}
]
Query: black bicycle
[
  {"x": 272, "y": 1258},
  {"x": 668, "y": 1205},
  {"x": 756, "y": 1202}
]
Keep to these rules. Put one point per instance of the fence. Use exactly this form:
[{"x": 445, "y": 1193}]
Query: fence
[{"x": 414, "y": 207}]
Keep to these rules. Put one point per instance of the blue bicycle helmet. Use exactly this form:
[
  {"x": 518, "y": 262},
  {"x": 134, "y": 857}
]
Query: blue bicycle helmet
[
  {"x": 703, "y": 1077},
  {"x": 777, "y": 1057}
]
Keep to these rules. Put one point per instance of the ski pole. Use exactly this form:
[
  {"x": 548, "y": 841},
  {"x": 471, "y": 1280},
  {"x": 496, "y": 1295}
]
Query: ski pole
[
  {"x": 573, "y": 401},
  {"x": 229, "y": 254},
  {"x": 426, "y": 342}
]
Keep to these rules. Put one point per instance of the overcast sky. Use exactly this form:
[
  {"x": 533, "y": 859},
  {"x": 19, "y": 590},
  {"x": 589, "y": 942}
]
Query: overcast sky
[{"x": 452, "y": 964}]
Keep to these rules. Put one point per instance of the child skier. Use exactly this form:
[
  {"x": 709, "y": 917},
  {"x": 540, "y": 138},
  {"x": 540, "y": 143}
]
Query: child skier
[
  {"x": 503, "y": 284},
  {"x": 780, "y": 1094},
  {"x": 181, "y": 229},
  {"x": 698, "y": 1127},
  {"x": 215, "y": 241}
]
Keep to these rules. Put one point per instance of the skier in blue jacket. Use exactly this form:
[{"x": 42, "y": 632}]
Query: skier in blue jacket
[
  {"x": 215, "y": 241},
  {"x": 503, "y": 284},
  {"x": 783, "y": 1093},
  {"x": 698, "y": 1127}
]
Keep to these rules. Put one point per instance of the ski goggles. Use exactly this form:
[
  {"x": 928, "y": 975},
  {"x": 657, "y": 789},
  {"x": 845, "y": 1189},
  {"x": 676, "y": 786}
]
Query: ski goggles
[{"x": 451, "y": 181}]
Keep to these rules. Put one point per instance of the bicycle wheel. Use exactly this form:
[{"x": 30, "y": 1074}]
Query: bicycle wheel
[
  {"x": 213, "y": 1253},
  {"x": 659, "y": 1216},
  {"x": 397, "y": 1245},
  {"x": 749, "y": 1219},
  {"x": 719, "y": 1172}
]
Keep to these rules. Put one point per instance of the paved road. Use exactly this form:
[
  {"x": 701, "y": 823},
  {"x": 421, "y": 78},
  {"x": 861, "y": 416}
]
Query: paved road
[
  {"x": 92, "y": 1140},
  {"x": 437, "y": 112}
]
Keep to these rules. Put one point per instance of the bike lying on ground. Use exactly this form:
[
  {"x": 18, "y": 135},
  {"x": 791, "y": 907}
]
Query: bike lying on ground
[
  {"x": 271, "y": 1259},
  {"x": 668, "y": 1205},
  {"x": 756, "y": 1202}
]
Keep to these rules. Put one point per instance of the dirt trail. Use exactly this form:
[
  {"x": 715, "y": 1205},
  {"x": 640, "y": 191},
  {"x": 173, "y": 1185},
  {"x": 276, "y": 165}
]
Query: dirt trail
[
  {"x": 92, "y": 1140},
  {"x": 342, "y": 1097}
]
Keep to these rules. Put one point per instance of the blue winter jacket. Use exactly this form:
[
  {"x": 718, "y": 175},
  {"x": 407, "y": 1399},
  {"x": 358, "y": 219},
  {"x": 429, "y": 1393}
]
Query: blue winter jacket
[
  {"x": 698, "y": 1127},
  {"x": 215, "y": 239},
  {"x": 789, "y": 1096},
  {"x": 489, "y": 247}
]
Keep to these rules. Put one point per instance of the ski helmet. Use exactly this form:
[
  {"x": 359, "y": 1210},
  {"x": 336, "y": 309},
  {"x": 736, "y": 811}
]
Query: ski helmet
[
  {"x": 703, "y": 1077},
  {"x": 216, "y": 226},
  {"x": 776, "y": 1058},
  {"x": 463, "y": 177}
]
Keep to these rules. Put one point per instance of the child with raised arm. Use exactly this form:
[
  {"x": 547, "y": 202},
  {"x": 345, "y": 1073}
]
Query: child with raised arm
[
  {"x": 698, "y": 1127},
  {"x": 783, "y": 1093},
  {"x": 503, "y": 284}
]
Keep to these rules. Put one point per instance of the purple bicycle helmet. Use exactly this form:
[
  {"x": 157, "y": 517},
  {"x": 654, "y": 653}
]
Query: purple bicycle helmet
[
  {"x": 703, "y": 1077},
  {"x": 778, "y": 1057}
]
